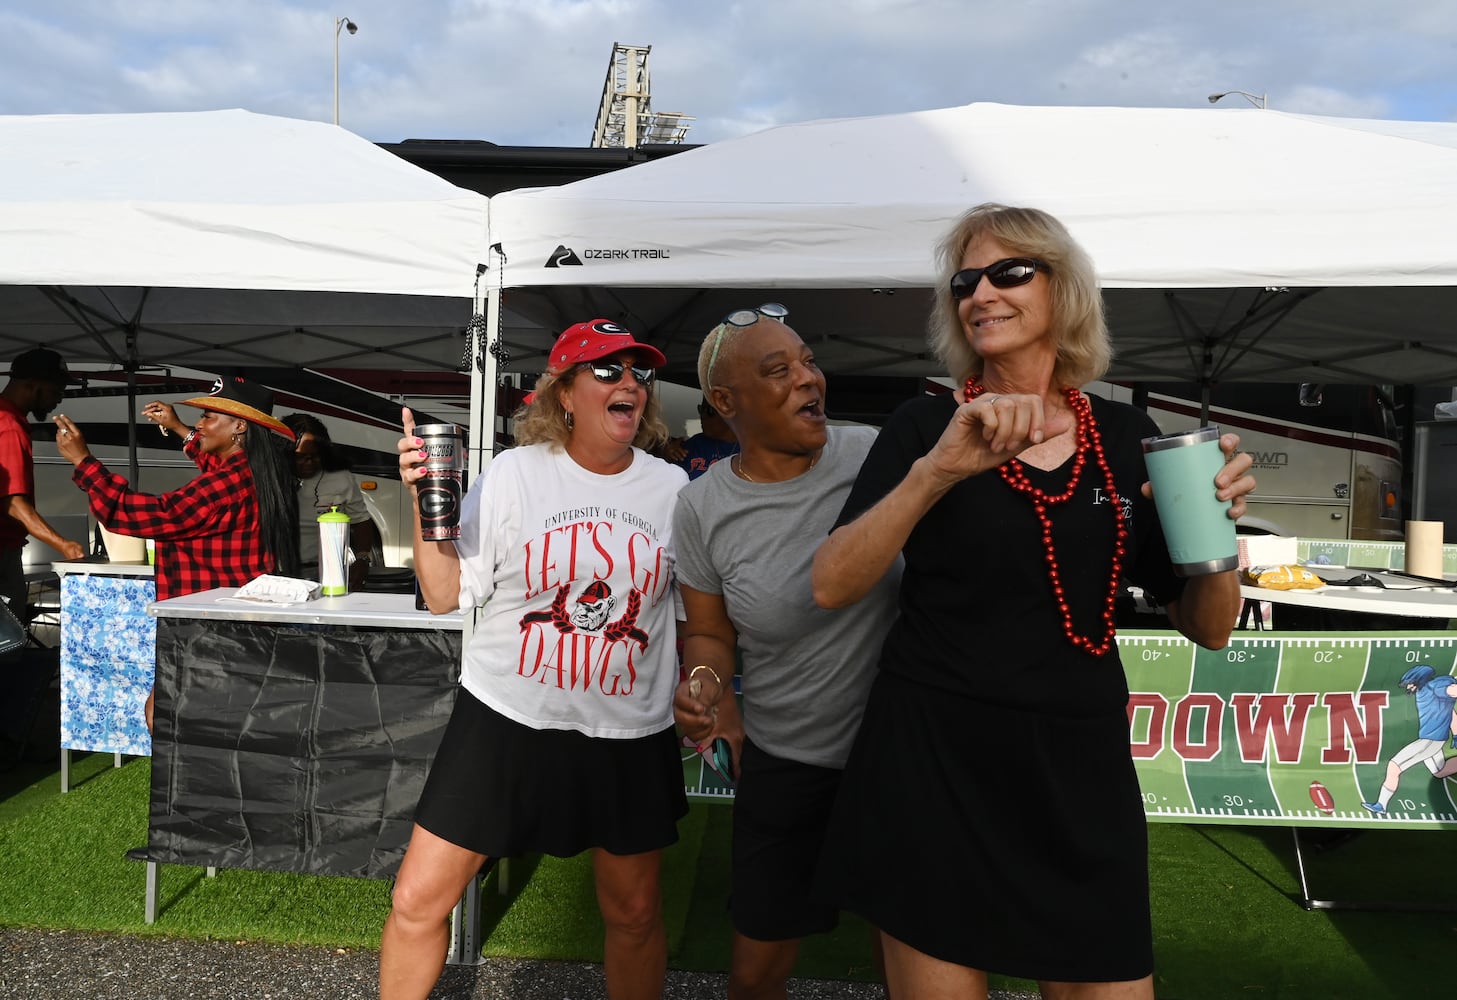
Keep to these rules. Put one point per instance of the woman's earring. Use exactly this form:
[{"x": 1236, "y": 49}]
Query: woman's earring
[{"x": 571, "y": 420}]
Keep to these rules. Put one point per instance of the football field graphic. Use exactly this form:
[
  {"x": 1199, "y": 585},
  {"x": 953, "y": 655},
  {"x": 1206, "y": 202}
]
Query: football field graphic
[
  {"x": 1291, "y": 729},
  {"x": 1284, "y": 729}
]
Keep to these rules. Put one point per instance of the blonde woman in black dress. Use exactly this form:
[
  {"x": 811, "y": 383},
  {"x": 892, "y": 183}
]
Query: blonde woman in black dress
[{"x": 989, "y": 817}]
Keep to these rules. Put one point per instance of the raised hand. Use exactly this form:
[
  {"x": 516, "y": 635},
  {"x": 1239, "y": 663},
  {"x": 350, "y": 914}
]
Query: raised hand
[
  {"x": 412, "y": 450},
  {"x": 987, "y": 431},
  {"x": 70, "y": 442},
  {"x": 1234, "y": 482},
  {"x": 165, "y": 417}
]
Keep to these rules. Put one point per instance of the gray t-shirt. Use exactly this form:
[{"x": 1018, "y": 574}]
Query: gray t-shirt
[{"x": 806, "y": 671}]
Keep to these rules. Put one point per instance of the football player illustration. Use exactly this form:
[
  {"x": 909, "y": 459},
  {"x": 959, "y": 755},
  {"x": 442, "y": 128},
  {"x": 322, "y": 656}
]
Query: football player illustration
[{"x": 1435, "y": 697}]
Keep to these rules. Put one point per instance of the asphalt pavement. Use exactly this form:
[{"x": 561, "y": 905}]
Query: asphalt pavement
[{"x": 70, "y": 965}]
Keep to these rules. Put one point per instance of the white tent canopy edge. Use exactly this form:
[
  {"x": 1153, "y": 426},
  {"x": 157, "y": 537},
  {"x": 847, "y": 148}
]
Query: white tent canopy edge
[
  {"x": 1232, "y": 244},
  {"x": 227, "y": 199},
  {"x": 225, "y": 239}
]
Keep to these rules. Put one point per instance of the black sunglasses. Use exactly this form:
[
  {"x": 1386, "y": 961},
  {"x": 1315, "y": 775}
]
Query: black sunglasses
[
  {"x": 741, "y": 318},
  {"x": 1007, "y": 273},
  {"x": 748, "y": 317},
  {"x": 611, "y": 372}
]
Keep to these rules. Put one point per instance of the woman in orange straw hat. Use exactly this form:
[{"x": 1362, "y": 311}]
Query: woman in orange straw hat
[{"x": 234, "y": 521}]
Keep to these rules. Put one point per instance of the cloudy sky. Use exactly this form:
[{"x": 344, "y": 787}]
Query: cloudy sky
[{"x": 531, "y": 72}]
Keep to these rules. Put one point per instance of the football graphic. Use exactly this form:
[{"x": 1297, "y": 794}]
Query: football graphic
[{"x": 1321, "y": 796}]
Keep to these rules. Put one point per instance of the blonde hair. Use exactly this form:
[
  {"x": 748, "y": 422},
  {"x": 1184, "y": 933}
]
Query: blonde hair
[
  {"x": 544, "y": 419},
  {"x": 718, "y": 352},
  {"x": 1084, "y": 348}
]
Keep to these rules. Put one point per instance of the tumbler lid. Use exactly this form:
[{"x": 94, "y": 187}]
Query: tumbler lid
[
  {"x": 333, "y": 516},
  {"x": 1181, "y": 439}
]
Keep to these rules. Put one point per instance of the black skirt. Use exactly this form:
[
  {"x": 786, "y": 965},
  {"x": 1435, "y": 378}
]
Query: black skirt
[
  {"x": 994, "y": 838},
  {"x": 505, "y": 790}
]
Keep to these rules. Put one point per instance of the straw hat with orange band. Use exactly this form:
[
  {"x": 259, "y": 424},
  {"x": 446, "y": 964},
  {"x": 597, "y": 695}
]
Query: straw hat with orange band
[{"x": 240, "y": 398}]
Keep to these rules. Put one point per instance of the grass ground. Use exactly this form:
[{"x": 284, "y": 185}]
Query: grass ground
[{"x": 1225, "y": 899}]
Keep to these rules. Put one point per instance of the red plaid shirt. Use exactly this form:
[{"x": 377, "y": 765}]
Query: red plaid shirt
[{"x": 207, "y": 532}]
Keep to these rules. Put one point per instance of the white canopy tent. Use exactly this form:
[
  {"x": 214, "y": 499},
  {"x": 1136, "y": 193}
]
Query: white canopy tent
[
  {"x": 229, "y": 240},
  {"x": 1236, "y": 245},
  {"x": 185, "y": 229}
]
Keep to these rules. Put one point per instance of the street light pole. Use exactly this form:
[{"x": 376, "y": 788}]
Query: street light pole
[
  {"x": 1259, "y": 102},
  {"x": 340, "y": 23}
]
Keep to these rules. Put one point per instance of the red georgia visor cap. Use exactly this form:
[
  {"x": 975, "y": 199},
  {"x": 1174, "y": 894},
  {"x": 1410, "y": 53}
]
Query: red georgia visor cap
[{"x": 596, "y": 339}]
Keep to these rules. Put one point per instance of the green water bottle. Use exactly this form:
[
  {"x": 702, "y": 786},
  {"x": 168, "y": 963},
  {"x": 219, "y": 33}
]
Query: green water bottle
[{"x": 334, "y": 553}]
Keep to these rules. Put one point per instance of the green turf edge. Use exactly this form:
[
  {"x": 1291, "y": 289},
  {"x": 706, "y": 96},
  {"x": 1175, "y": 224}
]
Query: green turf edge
[
  {"x": 62, "y": 866},
  {"x": 1227, "y": 920},
  {"x": 29, "y": 783}
]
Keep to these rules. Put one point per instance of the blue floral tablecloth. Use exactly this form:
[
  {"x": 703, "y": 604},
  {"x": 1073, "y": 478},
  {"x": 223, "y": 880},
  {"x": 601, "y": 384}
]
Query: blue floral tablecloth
[{"x": 108, "y": 655}]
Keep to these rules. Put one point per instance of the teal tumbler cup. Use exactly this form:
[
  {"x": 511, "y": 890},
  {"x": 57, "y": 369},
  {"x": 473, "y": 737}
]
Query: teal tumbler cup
[{"x": 1197, "y": 525}]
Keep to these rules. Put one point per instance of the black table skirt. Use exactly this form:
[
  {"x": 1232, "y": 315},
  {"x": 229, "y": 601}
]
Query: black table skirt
[{"x": 294, "y": 748}]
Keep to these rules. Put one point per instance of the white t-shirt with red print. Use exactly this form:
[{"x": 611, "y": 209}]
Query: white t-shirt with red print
[{"x": 574, "y": 571}]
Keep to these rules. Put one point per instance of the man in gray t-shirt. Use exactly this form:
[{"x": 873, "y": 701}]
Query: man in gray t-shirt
[
  {"x": 745, "y": 534},
  {"x": 806, "y": 670}
]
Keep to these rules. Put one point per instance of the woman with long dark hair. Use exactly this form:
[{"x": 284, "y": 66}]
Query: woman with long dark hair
[{"x": 236, "y": 520}]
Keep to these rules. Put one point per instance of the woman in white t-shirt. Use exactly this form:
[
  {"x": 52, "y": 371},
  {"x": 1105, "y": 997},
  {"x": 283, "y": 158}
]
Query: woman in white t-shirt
[{"x": 562, "y": 735}]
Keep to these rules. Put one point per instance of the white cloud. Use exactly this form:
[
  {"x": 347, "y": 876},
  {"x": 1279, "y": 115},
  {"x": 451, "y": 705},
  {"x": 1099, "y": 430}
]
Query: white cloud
[{"x": 532, "y": 71}]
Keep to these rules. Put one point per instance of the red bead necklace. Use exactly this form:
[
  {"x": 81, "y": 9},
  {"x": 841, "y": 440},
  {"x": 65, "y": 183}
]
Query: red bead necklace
[{"x": 1015, "y": 476}]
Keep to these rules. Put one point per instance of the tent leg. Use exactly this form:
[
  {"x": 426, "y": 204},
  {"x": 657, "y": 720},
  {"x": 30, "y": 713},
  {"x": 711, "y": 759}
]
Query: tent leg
[
  {"x": 151, "y": 904},
  {"x": 1379, "y": 905},
  {"x": 1305, "y": 900},
  {"x": 465, "y": 927}
]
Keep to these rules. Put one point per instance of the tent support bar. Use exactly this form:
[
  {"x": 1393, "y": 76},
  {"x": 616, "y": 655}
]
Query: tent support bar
[
  {"x": 483, "y": 353},
  {"x": 132, "y": 364},
  {"x": 1267, "y": 308}
]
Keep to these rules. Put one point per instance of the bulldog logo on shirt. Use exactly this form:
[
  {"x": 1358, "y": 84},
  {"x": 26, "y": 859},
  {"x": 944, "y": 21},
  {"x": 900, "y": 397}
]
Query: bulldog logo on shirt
[{"x": 594, "y": 604}]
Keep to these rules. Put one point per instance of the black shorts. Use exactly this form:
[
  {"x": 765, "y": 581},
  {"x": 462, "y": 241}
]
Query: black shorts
[
  {"x": 781, "y": 811},
  {"x": 505, "y": 790}
]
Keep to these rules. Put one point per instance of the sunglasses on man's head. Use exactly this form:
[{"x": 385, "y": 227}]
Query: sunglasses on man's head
[
  {"x": 743, "y": 317},
  {"x": 1007, "y": 273},
  {"x": 748, "y": 317},
  {"x": 611, "y": 372}
]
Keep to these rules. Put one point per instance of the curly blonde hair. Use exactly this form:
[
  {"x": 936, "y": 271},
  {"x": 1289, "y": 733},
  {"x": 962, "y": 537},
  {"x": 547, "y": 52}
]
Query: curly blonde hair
[
  {"x": 545, "y": 418},
  {"x": 1084, "y": 348}
]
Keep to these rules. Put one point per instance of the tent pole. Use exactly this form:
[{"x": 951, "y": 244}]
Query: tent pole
[
  {"x": 483, "y": 369},
  {"x": 134, "y": 464},
  {"x": 1206, "y": 380}
]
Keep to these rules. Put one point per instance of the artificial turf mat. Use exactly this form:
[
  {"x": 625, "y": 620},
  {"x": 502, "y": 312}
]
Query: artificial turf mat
[
  {"x": 1227, "y": 920},
  {"x": 62, "y": 866}
]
